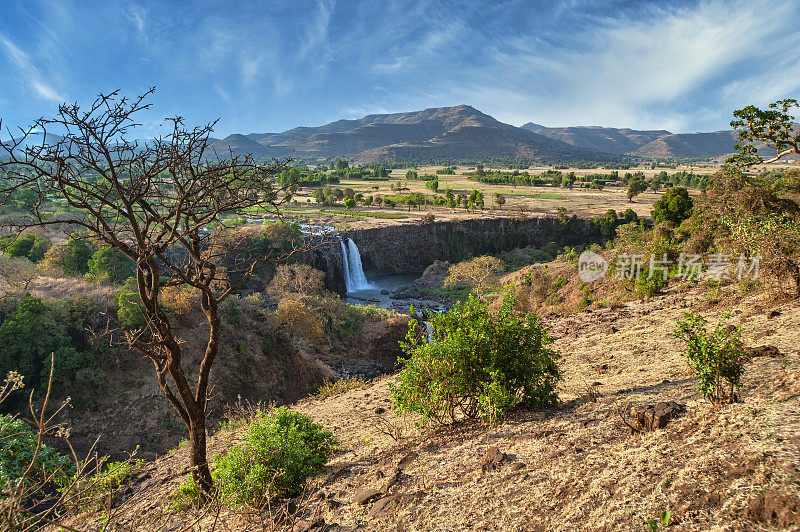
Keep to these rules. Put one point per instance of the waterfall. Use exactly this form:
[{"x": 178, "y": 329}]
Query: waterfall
[
  {"x": 348, "y": 284},
  {"x": 354, "y": 278},
  {"x": 429, "y": 331}
]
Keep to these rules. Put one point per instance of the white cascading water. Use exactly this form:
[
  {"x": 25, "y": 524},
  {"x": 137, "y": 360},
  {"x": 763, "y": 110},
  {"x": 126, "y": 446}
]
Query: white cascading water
[
  {"x": 348, "y": 284},
  {"x": 354, "y": 278}
]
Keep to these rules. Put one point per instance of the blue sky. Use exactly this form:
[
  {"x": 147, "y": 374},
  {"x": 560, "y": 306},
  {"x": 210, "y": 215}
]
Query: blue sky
[{"x": 264, "y": 66}]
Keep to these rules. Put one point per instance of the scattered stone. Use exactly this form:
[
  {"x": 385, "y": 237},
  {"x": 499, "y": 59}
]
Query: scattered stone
[
  {"x": 612, "y": 330},
  {"x": 392, "y": 480},
  {"x": 768, "y": 351},
  {"x": 309, "y": 524},
  {"x": 652, "y": 417},
  {"x": 764, "y": 334},
  {"x": 773, "y": 314},
  {"x": 407, "y": 459},
  {"x": 380, "y": 410},
  {"x": 385, "y": 504},
  {"x": 492, "y": 459},
  {"x": 365, "y": 495},
  {"x": 337, "y": 474},
  {"x": 516, "y": 466}
]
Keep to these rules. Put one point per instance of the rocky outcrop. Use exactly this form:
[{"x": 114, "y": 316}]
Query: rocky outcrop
[{"x": 412, "y": 248}]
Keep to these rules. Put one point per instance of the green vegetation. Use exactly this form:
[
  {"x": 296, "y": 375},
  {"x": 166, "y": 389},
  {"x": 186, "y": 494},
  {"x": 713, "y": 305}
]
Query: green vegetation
[
  {"x": 479, "y": 364},
  {"x": 282, "y": 451},
  {"x": 18, "y": 447},
  {"x": 364, "y": 214},
  {"x": 548, "y": 195},
  {"x": 716, "y": 357},
  {"x": 31, "y": 330},
  {"x": 72, "y": 257},
  {"x": 109, "y": 265},
  {"x": 31, "y": 247},
  {"x": 636, "y": 185},
  {"x": 673, "y": 207}
]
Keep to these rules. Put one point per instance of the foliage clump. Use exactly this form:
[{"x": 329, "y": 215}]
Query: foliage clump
[
  {"x": 674, "y": 206},
  {"x": 716, "y": 356},
  {"x": 109, "y": 265},
  {"x": 477, "y": 365},
  {"x": 282, "y": 451},
  {"x": 20, "y": 449}
]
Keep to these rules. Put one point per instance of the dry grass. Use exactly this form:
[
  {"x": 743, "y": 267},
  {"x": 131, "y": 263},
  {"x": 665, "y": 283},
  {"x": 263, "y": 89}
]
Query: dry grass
[{"x": 574, "y": 467}]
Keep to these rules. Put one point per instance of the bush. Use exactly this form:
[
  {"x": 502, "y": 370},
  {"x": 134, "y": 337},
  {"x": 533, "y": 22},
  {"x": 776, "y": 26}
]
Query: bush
[
  {"x": 71, "y": 257},
  {"x": 31, "y": 247},
  {"x": 716, "y": 357},
  {"x": 282, "y": 451},
  {"x": 17, "y": 448},
  {"x": 475, "y": 273},
  {"x": 29, "y": 332},
  {"x": 297, "y": 279},
  {"x": 674, "y": 206},
  {"x": 647, "y": 286},
  {"x": 478, "y": 365},
  {"x": 110, "y": 265},
  {"x": 130, "y": 313}
]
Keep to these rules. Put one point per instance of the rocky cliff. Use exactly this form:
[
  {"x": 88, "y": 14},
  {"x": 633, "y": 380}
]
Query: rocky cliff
[{"x": 411, "y": 248}]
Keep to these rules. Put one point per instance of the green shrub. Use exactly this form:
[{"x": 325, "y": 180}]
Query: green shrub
[
  {"x": 674, "y": 206},
  {"x": 233, "y": 311},
  {"x": 716, "y": 357},
  {"x": 478, "y": 365},
  {"x": 282, "y": 451},
  {"x": 29, "y": 332},
  {"x": 17, "y": 449},
  {"x": 31, "y": 247},
  {"x": 109, "y": 265},
  {"x": 72, "y": 257},
  {"x": 130, "y": 313},
  {"x": 648, "y": 287}
]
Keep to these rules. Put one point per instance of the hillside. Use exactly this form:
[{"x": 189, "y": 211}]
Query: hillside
[
  {"x": 572, "y": 467},
  {"x": 656, "y": 144},
  {"x": 436, "y": 133},
  {"x": 606, "y": 139},
  {"x": 689, "y": 145}
]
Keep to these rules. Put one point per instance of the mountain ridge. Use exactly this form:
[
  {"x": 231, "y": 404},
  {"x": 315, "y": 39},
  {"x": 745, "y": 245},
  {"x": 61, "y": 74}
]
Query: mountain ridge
[
  {"x": 463, "y": 132},
  {"x": 651, "y": 144}
]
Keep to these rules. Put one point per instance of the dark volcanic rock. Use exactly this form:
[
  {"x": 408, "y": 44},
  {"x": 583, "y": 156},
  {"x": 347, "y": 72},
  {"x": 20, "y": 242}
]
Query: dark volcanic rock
[{"x": 412, "y": 248}]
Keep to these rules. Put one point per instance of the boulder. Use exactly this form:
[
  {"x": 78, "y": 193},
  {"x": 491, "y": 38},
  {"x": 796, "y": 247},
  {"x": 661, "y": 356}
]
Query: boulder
[
  {"x": 365, "y": 495},
  {"x": 654, "y": 416},
  {"x": 768, "y": 351},
  {"x": 492, "y": 459}
]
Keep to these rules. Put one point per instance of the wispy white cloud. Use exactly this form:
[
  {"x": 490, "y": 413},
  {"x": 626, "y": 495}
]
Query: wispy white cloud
[
  {"x": 28, "y": 72},
  {"x": 137, "y": 15},
  {"x": 659, "y": 67}
]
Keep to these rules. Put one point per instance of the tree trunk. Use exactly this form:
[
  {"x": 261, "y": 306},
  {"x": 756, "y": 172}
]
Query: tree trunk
[{"x": 201, "y": 473}]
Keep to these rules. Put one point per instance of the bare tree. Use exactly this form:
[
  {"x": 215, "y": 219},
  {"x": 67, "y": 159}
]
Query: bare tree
[
  {"x": 476, "y": 273},
  {"x": 17, "y": 272},
  {"x": 152, "y": 201}
]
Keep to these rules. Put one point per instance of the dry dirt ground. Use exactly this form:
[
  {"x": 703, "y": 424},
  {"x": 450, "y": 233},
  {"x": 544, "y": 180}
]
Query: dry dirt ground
[{"x": 572, "y": 467}]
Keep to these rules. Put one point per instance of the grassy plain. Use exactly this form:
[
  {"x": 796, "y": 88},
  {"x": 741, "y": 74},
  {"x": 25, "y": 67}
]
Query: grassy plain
[{"x": 533, "y": 200}]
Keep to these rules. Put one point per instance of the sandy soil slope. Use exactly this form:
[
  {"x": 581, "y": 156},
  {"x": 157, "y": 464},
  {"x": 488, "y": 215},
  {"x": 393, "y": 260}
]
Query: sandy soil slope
[{"x": 573, "y": 467}]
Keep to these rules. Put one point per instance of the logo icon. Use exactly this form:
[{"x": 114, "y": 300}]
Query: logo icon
[{"x": 591, "y": 266}]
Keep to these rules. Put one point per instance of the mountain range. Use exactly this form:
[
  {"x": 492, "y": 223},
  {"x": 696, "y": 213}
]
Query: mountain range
[
  {"x": 462, "y": 132},
  {"x": 655, "y": 144}
]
